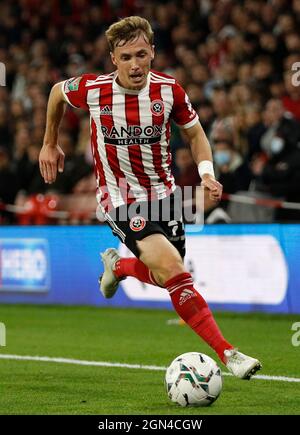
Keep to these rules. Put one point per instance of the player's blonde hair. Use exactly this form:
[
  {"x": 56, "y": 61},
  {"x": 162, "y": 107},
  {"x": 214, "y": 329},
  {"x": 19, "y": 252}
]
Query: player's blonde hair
[{"x": 128, "y": 29}]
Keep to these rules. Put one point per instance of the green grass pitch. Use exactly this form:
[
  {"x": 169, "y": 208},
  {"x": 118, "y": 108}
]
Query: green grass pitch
[{"x": 135, "y": 336}]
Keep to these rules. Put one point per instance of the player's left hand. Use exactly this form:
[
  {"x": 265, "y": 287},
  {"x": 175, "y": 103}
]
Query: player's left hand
[{"x": 215, "y": 188}]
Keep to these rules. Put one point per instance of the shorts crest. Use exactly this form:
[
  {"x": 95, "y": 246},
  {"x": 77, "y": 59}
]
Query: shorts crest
[{"x": 137, "y": 223}]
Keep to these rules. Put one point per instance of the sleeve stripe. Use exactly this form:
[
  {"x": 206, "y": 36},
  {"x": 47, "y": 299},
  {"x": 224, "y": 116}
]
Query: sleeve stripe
[
  {"x": 191, "y": 123},
  {"x": 65, "y": 95}
]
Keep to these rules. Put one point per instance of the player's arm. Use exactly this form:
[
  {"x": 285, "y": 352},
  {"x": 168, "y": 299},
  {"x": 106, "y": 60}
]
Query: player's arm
[
  {"x": 186, "y": 117},
  {"x": 51, "y": 157},
  {"x": 202, "y": 155}
]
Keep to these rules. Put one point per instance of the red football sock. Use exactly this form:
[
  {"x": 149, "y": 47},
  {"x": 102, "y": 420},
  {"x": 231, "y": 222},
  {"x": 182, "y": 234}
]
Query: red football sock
[
  {"x": 134, "y": 267},
  {"x": 193, "y": 309}
]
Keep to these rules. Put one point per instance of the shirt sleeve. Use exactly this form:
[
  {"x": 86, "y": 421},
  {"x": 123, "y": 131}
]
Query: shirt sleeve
[
  {"x": 75, "y": 91},
  {"x": 183, "y": 112}
]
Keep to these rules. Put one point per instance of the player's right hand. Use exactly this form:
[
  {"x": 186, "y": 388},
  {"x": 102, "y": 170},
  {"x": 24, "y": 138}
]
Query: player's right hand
[
  {"x": 215, "y": 188},
  {"x": 51, "y": 161}
]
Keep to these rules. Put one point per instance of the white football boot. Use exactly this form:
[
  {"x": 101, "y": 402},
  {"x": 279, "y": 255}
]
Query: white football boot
[
  {"x": 108, "y": 282},
  {"x": 241, "y": 365}
]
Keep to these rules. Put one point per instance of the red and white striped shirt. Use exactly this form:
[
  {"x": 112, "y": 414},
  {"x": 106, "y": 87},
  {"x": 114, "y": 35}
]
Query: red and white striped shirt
[{"x": 130, "y": 134}]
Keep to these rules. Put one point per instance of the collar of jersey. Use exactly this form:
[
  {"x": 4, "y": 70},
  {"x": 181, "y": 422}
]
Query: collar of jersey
[{"x": 119, "y": 88}]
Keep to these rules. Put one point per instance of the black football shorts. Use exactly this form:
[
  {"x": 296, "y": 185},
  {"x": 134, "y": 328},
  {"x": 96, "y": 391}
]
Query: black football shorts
[{"x": 133, "y": 222}]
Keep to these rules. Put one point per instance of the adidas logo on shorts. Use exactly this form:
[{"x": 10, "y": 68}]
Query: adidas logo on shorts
[{"x": 185, "y": 295}]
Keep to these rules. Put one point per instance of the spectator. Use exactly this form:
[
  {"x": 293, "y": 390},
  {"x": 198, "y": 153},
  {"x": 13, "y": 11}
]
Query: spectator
[
  {"x": 206, "y": 115},
  {"x": 254, "y": 130},
  {"x": 75, "y": 167},
  {"x": 8, "y": 184},
  {"x": 279, "y": 176},
  {"x": 279, "y": 125},
  {"x": 232, "y": 172},
  {"x": 291, "y": 99},
  {"x": 188, "y": 172},
  {"x": 28, "y": 172},
  {"x": 5, "y": 131}
]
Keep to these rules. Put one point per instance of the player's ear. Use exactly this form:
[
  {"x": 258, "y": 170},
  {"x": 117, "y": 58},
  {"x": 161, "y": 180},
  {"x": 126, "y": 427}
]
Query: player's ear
[
  {"x": 152, "y": 52},
  {"x": 113, "y": 58}
]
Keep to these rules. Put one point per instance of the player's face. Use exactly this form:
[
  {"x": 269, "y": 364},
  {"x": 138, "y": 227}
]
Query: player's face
[{"x": 133, "y": 61}]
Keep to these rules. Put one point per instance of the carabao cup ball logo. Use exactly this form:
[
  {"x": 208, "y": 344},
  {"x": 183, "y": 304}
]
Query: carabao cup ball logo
[
  {"x": 137, "y": 223},
  {"x": 157, "y": 107}
]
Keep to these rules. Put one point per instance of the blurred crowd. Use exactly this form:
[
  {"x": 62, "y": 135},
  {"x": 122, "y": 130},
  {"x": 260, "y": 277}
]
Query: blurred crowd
[{"x": 237, "y": 59}]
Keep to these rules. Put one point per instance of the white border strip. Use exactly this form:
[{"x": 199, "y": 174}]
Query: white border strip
[{"x": 122, "y": 365}]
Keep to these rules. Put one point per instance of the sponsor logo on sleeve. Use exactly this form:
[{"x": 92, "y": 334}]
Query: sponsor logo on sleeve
[{"x": 72, "y": 84}]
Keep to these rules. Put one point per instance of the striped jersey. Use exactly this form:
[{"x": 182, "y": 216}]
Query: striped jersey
[{"x": 130, "y": 134}]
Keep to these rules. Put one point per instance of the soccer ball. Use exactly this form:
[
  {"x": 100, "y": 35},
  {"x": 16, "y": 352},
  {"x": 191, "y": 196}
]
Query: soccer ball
[{"x": 193, "y": 379}]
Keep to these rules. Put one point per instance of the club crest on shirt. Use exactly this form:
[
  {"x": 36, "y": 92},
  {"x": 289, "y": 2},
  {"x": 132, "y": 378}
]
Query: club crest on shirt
[
  {"x": 72, "y": 84},
  {"x": 137, "y": 223},
  {"x": 157, "y": 107}
]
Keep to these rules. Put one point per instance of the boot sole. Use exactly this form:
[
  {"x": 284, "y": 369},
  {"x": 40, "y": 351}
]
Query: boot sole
[{"x": 252, "y": 371}]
